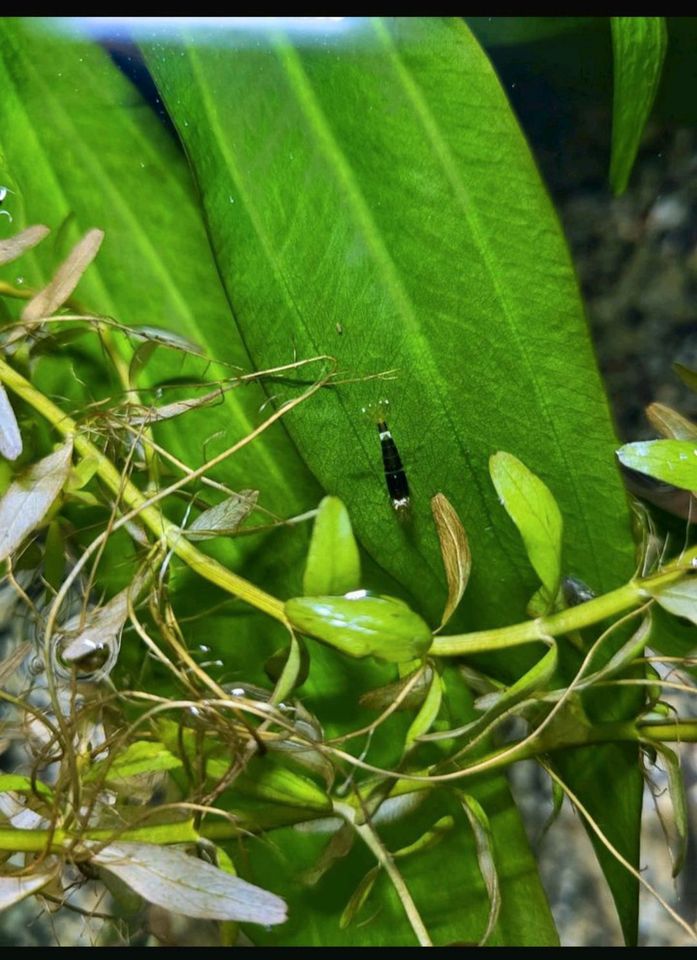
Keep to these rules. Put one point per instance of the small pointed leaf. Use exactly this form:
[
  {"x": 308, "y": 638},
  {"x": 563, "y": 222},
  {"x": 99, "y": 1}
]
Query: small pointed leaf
[
  {"x": 533, "y": 509},
  {"x": 358, "y": 898},
  {"x": 428, "y": 711},
  {"x": 687, "y": 375},
  {"x": 333, "y": 564}
]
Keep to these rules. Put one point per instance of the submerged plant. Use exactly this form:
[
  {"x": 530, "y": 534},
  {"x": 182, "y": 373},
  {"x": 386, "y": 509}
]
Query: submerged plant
[{"x": 243, "y": 682}]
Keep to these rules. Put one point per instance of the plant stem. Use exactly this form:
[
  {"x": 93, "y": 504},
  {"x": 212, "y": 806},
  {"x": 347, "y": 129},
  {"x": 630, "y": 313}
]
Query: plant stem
[
  {"x": 632, "y": 594},
  {"x": 367, "y": 834},
  {"x": 182, "y": 831}
]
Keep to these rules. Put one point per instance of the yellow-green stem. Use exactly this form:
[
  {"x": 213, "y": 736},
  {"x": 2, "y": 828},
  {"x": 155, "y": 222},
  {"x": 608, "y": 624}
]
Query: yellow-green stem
[{"x": 632, "y": 594}]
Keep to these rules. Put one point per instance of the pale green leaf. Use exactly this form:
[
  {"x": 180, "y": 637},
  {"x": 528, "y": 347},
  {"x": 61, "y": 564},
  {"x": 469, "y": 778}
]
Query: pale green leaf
[
  {"x": 141, "y": 756},
  {"x": 333, "y": 564},
  {"x": 679, "y": 598},
  {"x": 672, "y": 461},
  {"x": 533, "y": 509}
]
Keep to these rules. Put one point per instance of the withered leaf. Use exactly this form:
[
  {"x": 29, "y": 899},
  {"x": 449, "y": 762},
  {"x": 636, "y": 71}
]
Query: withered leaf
[
  {"x": 184, "y": 884},
  {"x": 14, "y": 247},
  {"x": 66, "y": 278},
  {"x": 29, "y": 498},
  {"x": 455, "y": 552}
]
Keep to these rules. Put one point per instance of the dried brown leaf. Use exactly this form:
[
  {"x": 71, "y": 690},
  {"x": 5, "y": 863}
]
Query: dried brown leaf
[
  {"x": 10, "y": 664},
  {"x": 29, "y": 498},
  {"x": 455, "y": 552},
  {"x": 66, "y": 278},
  {"x": 669, "y": 423},
  {"x": 99, "y": 631},
  {"x": 14, "y": 247}
]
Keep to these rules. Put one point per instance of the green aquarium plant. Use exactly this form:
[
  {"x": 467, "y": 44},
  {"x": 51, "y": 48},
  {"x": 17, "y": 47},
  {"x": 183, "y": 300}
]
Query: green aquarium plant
[{"x": 261, "y": 658}]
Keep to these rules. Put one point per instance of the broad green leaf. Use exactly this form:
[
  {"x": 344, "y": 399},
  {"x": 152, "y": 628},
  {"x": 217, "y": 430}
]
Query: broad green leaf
[
  {"x": 183, "y": 884},
  {"x": 452, "y": 911},
  {"x": 363, "y": 626},
  {"x": 333, "y": 563},
  {"x": 639, "y": 47},
  {"x": 142, "y": 756},
  {"x": 593, "y": 773},
  {"x": 311, "y": 158},
  {"x": 30, "y": 496},
  {"x": 672, "y": 461},
  {"x": 321, "y": 167},
  {"x": 78, "y": 146},
  {"x": 670, "y": 636},
  {"x": 533, "y": 509}
]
